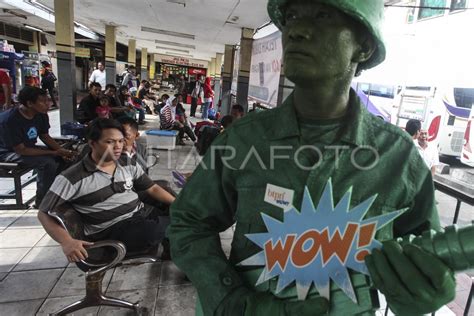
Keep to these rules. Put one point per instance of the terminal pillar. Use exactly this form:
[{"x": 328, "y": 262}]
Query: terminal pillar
[
  {"x": 212, "y": 68},
  {"x": 217, "y": 78},
  {"x": 66, "y": 53},
  {"x": 110, "y": 53},
  {"x": 144, "y": 66},
  {"x": 132, "y": 52},
  {"x": 152, "y": 67},
  {"x": 246, "y": 43},
  {"x": 227, "y": 79}
]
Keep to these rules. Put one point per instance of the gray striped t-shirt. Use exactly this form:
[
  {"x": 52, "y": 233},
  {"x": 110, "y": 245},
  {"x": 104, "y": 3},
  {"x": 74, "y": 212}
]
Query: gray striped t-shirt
[{"x": 101, "y": 198}]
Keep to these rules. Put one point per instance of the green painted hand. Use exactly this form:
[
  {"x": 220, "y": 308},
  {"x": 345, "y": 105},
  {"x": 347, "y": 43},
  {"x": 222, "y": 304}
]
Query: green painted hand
[{"x": 413, "y": 281}]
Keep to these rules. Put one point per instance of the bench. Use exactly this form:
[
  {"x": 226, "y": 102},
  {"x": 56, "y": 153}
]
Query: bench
[{"x": 14, "y": 171}]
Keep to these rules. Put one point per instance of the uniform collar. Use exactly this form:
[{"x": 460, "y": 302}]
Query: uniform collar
[{"x": 283, "y": 122}]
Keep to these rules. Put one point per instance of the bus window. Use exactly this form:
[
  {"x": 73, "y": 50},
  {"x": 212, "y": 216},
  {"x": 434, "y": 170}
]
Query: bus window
[
  {"x": 464, "y": 97},
  {"x": 377, "y": 90}
]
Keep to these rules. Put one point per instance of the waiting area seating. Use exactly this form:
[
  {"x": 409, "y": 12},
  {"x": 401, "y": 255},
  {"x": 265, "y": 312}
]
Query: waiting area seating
[
  {"x": 103, "y": 255},
  {"x": 15, "y": 171}
]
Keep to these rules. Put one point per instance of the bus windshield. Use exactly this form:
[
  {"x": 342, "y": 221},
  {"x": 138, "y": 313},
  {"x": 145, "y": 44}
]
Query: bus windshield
[
  {"x": 378, "y": 90},
  {"x": 464, "y": 97}
]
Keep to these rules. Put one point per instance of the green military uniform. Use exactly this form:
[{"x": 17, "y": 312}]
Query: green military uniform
[{"x": 221, "y": 192}]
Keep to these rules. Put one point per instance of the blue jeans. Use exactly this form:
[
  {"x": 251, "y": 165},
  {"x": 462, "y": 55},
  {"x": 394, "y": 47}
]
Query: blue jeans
[
  {"x": 141, "y": 114},
  {"x": 205, "y": 110}
]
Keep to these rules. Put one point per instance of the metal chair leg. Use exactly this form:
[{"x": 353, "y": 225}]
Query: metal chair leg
[
  {"x": 469, "y": 299},
  {"x": 71, "y": 308},
  {"x": 110, "y": 301},
  {"x": 95, "y": 297}
]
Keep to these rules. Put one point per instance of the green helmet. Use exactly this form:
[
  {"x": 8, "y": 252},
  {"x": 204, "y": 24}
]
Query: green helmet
[{"x": 367, "y": 12}]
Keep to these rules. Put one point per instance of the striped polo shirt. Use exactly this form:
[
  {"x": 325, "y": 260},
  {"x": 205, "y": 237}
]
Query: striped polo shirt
[{"x": 101, "y": 198}]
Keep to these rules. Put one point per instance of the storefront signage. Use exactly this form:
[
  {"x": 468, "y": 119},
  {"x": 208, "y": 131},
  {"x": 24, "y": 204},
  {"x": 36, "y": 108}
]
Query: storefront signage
[
  {"x": 183, "y": 61},
  {"x": 30, "y": 55},
  {"x": 82, "y": 52},
  {"x": 194, "y": 71},
  {"x": 265, "y": 69}
]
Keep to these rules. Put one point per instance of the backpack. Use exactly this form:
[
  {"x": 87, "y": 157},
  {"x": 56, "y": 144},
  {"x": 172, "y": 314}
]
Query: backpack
[{"x": 208, "y": 134}]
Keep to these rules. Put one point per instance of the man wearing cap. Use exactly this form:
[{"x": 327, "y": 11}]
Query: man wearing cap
[{"x": 320, "y": 133}]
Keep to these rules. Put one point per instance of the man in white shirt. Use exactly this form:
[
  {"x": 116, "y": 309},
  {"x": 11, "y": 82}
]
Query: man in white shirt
[
  {"x": 428, "y": 152},
  {"x": 98, "y": 75}
]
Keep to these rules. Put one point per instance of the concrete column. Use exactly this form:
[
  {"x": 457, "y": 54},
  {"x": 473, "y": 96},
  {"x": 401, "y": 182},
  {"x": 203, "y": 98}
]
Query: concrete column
[
  {"x": 212, "y": 68},
  {"x": 132, "y": 52},
  {"x": 246, "y": 43},
  {"x": 152, "y": 67},
  {"x": 110, "y": 53},
  {"x": 66, "y": 53},
  {"x": 144, "y": 66},
  {"x": 227, "y": 78},
  {"x": 217, "y": 80},
  {"x": 36, "y": 47}
]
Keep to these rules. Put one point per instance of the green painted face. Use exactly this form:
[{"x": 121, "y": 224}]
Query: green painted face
[{"x": 319, "y": 42}]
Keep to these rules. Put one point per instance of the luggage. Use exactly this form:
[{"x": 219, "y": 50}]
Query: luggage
[
  {"x": 73, "y": 128},
  {"x": 208, "y": 134}
]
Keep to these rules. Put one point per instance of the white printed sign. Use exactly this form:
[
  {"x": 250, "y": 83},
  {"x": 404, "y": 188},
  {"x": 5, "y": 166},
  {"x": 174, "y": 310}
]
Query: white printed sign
[
  {"x": 265, "y": 69},
  {"x": 280, "y": 197}
]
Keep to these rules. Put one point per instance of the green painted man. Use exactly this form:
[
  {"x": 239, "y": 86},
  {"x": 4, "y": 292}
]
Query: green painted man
[{"x": 320, "y": 132}]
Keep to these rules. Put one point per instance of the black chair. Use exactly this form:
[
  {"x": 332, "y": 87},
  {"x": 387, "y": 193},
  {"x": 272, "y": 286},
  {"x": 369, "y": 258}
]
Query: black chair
[
  {"x": 469, "y": 298},
  {"x": 100, "y": 259}
]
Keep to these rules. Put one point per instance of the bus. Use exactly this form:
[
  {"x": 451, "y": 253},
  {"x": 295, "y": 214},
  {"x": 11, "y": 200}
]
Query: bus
[
  {"x": 467, "y": 155},
  {"x": 378, "y": 98},
  {"x": 444, "y": 112}
]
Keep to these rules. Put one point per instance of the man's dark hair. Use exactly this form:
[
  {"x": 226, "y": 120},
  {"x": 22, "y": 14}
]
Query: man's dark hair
[
  {"x": 131, "y": 67},
  {"x": 165, "y": 96},
  {"x": 94, "y": 131},
  {"x": 226, "y": 121},
  {"x": 413, "y": 126},
  {"x": 31, "y": 94},
  {"x": 238, "y": 107},
  {"x": 125, "y": 120},
  {"x": 122, "y": 89},
  {"x": 110, "y": 86},
  {"x": 95, "y": 84}
]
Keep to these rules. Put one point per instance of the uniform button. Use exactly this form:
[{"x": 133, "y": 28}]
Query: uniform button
[{"x": 227, "y": 281}]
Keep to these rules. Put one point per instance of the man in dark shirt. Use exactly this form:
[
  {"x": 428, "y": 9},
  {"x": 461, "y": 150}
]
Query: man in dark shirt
[
  {"x": 115, "y": 107},
  {"x": 88, "y": 105},
  {"x": 20, "y": 128}
]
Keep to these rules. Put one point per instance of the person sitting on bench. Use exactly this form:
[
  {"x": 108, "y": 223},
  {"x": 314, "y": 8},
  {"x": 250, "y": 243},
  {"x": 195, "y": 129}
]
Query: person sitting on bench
[
  {"x": 20, "y": 128},
  {"x": 103, "y": 191}
]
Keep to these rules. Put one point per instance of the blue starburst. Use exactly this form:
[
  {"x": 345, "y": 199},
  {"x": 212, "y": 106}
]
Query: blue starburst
[{"x": 318, "y": 244}]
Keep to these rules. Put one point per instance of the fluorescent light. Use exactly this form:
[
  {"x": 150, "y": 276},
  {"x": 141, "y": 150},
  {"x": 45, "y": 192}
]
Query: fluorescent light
[
  {"x": 174, "y": 49},
  {"x": 165, "y": 32},
  {"x": 178, "y": 54},
  {"x": 33, "y": 28},
  {"x": 41, "y": 6},
  {"x": 175, "y": 44}
]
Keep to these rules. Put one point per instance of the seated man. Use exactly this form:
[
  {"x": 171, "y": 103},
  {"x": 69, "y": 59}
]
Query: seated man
[
  {"x": 115, "y": 106},
  {"x": 20, "y": 128},
  {"x": 104, "y": 193},
  {"x": 169, "y": 121},
  {"x": 136, "y": 153},
  {"x": 88, "y": 105},
  {"x": 133, "y": 151}
]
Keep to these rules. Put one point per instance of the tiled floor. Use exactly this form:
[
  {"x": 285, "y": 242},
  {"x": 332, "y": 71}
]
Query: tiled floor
[{"x": 36, "y": 278}]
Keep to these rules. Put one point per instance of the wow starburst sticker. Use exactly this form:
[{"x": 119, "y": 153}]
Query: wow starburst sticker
[{"x": 318, "y": 244}]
